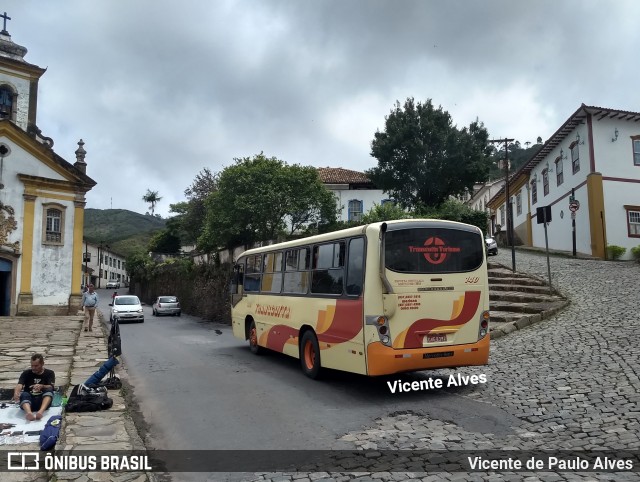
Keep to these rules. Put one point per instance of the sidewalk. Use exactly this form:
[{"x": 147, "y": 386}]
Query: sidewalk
[{"x": 74, "y": 355}]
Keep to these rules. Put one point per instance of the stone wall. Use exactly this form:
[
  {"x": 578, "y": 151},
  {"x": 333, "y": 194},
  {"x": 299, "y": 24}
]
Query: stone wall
[{"x": 203, "y": 290}]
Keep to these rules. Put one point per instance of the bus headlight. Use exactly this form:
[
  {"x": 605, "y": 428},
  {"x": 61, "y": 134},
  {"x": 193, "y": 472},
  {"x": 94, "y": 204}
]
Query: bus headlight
[{"x": 385, "y": 339}]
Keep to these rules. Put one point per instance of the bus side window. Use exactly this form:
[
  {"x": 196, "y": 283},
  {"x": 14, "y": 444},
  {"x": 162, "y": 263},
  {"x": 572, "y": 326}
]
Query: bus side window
[
  {"x": 252, "y": 274},
  {"x": 355, "y": 267},
  {"x": 237, "y": 278}
]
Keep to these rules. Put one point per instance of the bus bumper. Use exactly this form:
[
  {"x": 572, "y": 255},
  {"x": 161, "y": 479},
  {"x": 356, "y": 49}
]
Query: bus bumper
[{"x": 384, "y": 360}]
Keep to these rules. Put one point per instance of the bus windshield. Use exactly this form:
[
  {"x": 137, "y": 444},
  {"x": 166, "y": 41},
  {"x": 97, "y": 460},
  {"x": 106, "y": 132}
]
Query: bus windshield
[{"x": 433, "y": 250}]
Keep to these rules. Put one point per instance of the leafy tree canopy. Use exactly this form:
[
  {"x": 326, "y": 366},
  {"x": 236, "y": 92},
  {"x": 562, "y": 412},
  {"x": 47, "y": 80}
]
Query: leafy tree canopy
[
  {"x": 384, "y": 212},
  {"x": 152, "y": 198},
  {"x": 165, "y": 242},
  {"x": 258, "y": 198},
  {"x": 192, "y": 213},
  {"x": 423, "y": 158},
  {"x": 454, "y": 210}
]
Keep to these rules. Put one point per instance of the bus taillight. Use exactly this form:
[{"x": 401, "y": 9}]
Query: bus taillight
[
  {"x": 484, "y": 325},
  {"x": 383, "y": 330}
]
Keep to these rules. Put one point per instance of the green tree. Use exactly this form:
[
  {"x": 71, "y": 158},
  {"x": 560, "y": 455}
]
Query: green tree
[
  {"x": 152, "y": 198},
  {"x": 454, "y": 210},
  {"x": 191, "y": 214},
  {"x": 165, "y": 242},
  {"x": 384, "y": 212},
  {"x": 257, "y": 198},
  {"x": 423, "y": 158}
]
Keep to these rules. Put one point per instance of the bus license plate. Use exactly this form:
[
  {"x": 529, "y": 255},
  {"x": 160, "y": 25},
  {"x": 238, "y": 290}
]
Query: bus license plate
[{"x": 436, "y": 338}]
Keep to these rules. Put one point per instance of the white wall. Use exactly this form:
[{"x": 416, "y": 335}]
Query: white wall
[
  {"x": 616, "y": 195},
  {"x": 51, "y": 273}
]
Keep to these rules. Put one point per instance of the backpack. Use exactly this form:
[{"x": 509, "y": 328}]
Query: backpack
[
  {"x": 50, "y": 433},
  {"x": 88, "y": 401},
  {"x": 114, "y": 344}
]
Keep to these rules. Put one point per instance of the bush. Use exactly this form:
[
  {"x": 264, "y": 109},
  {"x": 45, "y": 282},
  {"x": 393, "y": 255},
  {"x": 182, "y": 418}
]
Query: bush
[
  {"x": 635, "y": 252},
  {"x": 615, "y": 252}
]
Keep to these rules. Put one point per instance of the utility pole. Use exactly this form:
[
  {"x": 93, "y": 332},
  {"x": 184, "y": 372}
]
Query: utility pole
[
  {"x": 86, "y": 262},
  {"x": 507, "y": 199}
]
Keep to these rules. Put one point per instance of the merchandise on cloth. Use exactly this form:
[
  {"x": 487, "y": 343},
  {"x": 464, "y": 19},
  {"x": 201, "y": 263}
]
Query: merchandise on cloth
[{"x": 16, "y": 429}]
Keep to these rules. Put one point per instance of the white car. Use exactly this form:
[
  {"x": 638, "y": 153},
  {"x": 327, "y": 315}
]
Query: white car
[
  {"x": 492, "y": 246},
  {"x": 127, "y": 308},
  {"x": 113, "y": 284}
]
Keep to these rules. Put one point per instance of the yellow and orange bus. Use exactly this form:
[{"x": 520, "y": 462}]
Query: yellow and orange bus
[{"x": 379, "y": 299}]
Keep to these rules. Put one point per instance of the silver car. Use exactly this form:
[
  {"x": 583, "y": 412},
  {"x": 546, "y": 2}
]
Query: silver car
[
  {"x": 166, "y": 305},
  {"x": 127, "y": 308},
  {"x": 492, "y": 246}
]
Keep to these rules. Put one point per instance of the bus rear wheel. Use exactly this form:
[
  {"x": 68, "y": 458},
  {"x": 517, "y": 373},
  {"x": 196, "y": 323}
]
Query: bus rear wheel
[
  {"x": 253, "y": 339},
  {"x": 310, "y": 355}
]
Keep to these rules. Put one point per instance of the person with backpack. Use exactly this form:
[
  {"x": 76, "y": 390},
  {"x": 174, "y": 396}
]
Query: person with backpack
[
  {"x": 35, "y": 388},
  {"x": 89, "y": 305}
]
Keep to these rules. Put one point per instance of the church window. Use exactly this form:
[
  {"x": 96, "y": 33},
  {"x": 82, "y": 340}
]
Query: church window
[
  {"x": 7, "y": 100},
  {"x": 53, "y": 224}
]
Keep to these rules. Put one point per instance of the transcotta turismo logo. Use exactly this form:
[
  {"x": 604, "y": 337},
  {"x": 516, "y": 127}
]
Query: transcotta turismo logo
[{"x": 435, "y": 250}]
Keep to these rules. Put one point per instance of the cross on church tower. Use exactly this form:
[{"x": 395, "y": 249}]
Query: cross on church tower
[{"x": 5, "y": 17}]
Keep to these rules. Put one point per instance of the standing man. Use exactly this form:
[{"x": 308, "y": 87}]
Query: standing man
[
  {"x": 89, "y": 304},
  {"x": 35, "y": 388}
]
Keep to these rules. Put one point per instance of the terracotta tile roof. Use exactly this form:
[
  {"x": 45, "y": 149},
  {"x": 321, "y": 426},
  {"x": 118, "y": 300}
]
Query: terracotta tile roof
[{"x": 338, "y": 175}]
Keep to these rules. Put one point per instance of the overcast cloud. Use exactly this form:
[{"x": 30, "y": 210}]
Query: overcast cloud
[{"x": 160, "y": 89}]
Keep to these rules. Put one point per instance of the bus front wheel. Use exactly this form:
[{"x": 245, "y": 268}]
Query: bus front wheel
[
  {"x": 310, "y": 355},
  {"x": 253, "y": 339}
]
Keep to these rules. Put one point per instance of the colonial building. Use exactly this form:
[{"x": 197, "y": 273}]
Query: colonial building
[
  {"x": 482, "y": 193},
  {"x": 101, "y": 264},
  {"x": 588, "y": 172},
  {"x": 355, "y": 193},
  {"x": 42, "y": 199}
]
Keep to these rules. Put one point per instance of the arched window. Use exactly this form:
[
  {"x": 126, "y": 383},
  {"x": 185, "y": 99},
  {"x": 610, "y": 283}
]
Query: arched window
[{"x": 7, "y": 101}]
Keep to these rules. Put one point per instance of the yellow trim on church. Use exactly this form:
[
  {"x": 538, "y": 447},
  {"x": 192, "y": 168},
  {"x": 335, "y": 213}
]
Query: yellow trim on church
[
  {"x": 29, "y": 208},
  {"x": 40, "y": 152},
  {"x": 76, "y": 265}
]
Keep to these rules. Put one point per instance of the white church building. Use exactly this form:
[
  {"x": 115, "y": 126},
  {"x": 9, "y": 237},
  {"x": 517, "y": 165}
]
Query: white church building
[{"x": 42, "y": 199}]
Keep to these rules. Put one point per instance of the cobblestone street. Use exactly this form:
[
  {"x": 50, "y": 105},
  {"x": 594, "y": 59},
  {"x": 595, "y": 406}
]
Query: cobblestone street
[{"x": 567, "y": 383}]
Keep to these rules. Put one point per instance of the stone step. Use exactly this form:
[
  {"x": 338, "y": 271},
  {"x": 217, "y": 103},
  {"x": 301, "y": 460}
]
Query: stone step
[
  {"x": 540, "y": 289},
  {"x": 521, "y": 297},
  {"x": 513, "y": 307},
  {"x": 501, "y": 317},
  {"x": 506, "y": 273},
  {"x": 519, "y": 280}
]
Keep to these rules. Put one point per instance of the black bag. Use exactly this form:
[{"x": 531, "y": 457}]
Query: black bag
[
  {"x": 89, "y": 401},
  {"x": 112, "y": 383},
  {"x": 114, "y": 344}
]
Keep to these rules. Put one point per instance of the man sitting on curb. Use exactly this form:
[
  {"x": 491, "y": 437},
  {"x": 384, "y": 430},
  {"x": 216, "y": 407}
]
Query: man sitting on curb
[{"x": 37, "y": 386}]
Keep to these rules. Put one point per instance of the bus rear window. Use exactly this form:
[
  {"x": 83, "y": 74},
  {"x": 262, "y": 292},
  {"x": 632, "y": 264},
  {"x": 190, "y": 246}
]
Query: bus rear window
[{"x": 433, "y": 250}]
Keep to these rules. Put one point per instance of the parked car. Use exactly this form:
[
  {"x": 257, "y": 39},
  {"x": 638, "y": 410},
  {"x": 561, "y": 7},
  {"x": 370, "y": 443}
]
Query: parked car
[
  {"x": 492, "y": 246},
  {"x": 166, "y": 305},
  {"x": 127, "y": 308},
  {"x": 113, "y": 284}
]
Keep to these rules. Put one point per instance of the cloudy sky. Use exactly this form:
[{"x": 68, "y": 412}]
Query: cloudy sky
[{"x": 160, "y": 89}]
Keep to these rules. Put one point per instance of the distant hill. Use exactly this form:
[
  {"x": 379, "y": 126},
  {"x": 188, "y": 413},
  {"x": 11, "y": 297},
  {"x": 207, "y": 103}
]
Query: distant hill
[{"x": 124, "y": 231}]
